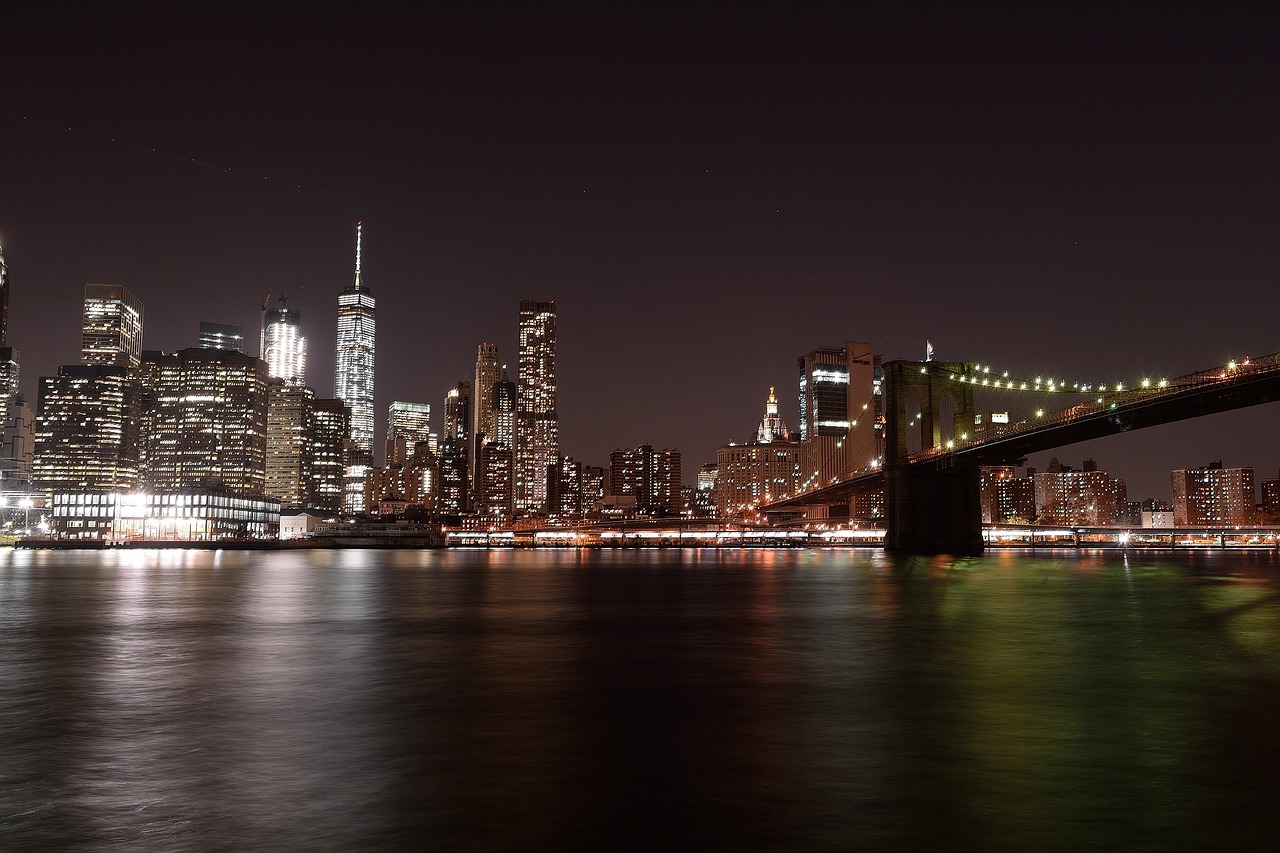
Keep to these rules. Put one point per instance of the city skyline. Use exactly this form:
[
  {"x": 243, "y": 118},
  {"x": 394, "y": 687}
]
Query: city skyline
[{"x": 1020, "y": 191}]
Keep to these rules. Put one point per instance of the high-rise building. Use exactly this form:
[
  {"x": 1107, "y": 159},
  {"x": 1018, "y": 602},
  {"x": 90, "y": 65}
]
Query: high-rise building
[
  {"x": 593, "y": 488},
  {"x": 221, "y": 336},
  {"x": 284, "y": 347},
  {"x": 457, "y": 414},
  {"x": 330, "y": 430},
  {"x": 651, "y": 476},
  {"x": 9, "y": 372},
  {"x": 112, "y": 329},
  {"x": 1213, "y": 495},
  {"x": 537, "y": 424},
  {"x": 495, "y": 498},
  {"x": 840, "y": 417},
  {"x": 1089, "y": 497},
  {"x": 407, "y": 425},
  {"x": 190, "y": 441},
  {"x": 1271, "y": 498},
  {"x": 764, "y": 469},
  {"x": 455, "y": 447},
  {"x": 564, "y": 490},
  {"x": 1006, "y": 497},
  {"x": 86, "y": 435},
  {"x": 17, "y": 444},
  {"x": 488, "y": 371},
  {"x": 353, "y": 373},
  {"x": 290, "y": 443},
  {"x": 4, "y": 300}
]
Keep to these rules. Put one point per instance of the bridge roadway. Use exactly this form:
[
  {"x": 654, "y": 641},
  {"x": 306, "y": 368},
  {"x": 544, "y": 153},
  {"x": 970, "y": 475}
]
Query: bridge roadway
[{"x": 1250, "y": 382}]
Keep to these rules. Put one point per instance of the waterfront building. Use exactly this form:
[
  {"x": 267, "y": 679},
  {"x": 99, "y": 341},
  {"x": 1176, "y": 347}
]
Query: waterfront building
[
  {"x": 1213, "y": 495},
  {"x": 765, "y": 469},
  {"x": 329, "y": 443},
  {"x": 221, "y": 336},
  {"x": 650, "y": 477},
  {"x": 408, "y": 424},
  {"x": 187, "y": 515},
  {"x": 111, "y": 329},
  {"x": 704, "y": 499},
  {"x": 537, "y": 426},
  {"x": 454, "y": 454},
  {"x": 284, "y": 347},
  {"x": 1089, "y": 497},
  {"x": 17, "y": 445},
  {"x": 354, "y": 362},
  {"x": 206, "y": 421},
  {"x": 86, "y": 433},
  {"x": 290, "y": 443},
  {"x": 1006, "y": 497}
]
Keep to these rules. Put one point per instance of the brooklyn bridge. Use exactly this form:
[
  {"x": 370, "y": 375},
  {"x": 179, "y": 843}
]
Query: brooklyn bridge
[{"x": 944, "y": 420}]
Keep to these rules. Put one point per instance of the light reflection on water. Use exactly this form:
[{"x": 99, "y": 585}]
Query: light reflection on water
[{"x": 807, "y": 699}]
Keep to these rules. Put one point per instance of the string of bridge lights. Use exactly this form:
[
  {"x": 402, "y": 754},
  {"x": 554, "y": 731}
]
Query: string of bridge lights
[{"x": 983, "y": 377}]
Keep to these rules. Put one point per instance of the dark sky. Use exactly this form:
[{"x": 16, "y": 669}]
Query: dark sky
[{"x": 706, "y": 194}]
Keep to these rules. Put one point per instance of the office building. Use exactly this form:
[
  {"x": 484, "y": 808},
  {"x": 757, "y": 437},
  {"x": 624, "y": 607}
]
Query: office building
[
  {"x": 564, "y": 490},
  {"x": 9, "y": 374},
  {"x": 537, "y": 425},
  {"x": 86, "y": 434},
  {"x": 206, "y": 423},
  {"x": 111, "y": 331},
  {"x": 354, "y": 360},
  {"x": 284, "y": 347},
  {"x": 329, "y": 442},
  {"x": 764, "y": 469},
  {"x": 4, "y": 300},
  {"x": 221, "y": 336},
  {"x": 841, "y": 421},
  {"x": 290, "y": 443},
  {"x": 1271, "y": 499},
  {"x": 408, "y": 424},
  {"x": 1213, "y": 495}
]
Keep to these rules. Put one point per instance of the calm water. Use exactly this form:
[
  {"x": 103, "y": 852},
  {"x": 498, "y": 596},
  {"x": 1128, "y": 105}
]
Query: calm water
[{"x": 651, "y": 700}]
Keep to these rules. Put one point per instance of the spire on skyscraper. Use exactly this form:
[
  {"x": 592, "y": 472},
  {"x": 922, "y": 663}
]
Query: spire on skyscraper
[{"x": 358, "y": 284}]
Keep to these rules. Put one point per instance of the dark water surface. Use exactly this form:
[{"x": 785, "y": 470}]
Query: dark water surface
[{"x": 643, "y": 700}]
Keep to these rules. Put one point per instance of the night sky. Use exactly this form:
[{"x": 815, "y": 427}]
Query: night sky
[{"x": 705, "y": 194}]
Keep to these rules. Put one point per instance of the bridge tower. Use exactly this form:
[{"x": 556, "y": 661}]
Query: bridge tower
[{"x": 930, "y": 507}]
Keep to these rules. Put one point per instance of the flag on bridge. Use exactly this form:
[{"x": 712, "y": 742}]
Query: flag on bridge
[{"x": 928, "y": 351}]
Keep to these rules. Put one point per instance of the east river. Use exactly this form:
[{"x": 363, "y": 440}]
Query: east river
[{"x": 638, "y": 700}]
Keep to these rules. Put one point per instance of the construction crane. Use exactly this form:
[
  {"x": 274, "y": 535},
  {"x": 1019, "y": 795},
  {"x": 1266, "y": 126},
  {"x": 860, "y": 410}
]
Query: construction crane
[
  {"x": 262, "y": 326},
  {"x": 284, "y": 298}
]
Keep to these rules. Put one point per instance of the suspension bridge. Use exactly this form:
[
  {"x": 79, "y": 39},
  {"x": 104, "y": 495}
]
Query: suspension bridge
[{"x": 944, "y": 421}]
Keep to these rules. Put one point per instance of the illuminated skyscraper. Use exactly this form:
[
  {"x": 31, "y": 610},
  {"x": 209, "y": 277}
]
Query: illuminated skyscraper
[
  {"x": 353, "y": 374},
  {"x": 487, "y": 373},
  {"x": 537, "y": 426},
  {"x": 8, "y": 355},
  {"x": 86, "y": 435},
  {"x": 284, "y": 348},
  {"x": 290, "y": 443},
  {"x": 331, "y": 424},
  {"x": 193, "y": 442},
  {"x": 496, "y": 490},
  {"x": 651, "y": 476},
  {"x": 839, "y": 412},
  {"x": 221, "y": 336},
  {"x": 4, "y": 300},
  {"x": 112, "y": 329},
  {"x": 407, "y": 425}
]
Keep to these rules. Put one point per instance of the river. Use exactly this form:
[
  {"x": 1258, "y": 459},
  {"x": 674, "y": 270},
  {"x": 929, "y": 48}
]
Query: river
[{"x": 638, "y": 700}]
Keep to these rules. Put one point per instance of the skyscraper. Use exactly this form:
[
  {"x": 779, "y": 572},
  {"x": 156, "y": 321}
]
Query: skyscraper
[
  {"x": 290, "y": 443},
  {"x": 353, "y": 373},
  {"x": 4, "y": 301},
  {"x": 495, "y": 491},
  {"x": 86, "y": 434},
  {"x": 537, "y": 426},
  {"x": 8, "y": 355},
  {"x": 407, "y": 425},
  {"x": 331, "y": 425},
  {"x": 221, "y": 336},
  {"x": 192, "y": 443},
  {"x": 284, "y": 348},
  {"x": 112, "y": 329},
  {"x": 839, "y": 412},
  {"x": 488, "y": 372}
]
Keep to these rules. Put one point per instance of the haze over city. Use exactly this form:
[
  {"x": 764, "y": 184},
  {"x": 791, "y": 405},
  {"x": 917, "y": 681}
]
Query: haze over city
[{"x": 706, "y": 195}]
